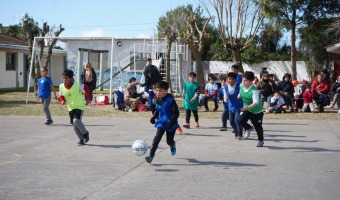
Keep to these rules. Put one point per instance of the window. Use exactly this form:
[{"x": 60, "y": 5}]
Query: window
[{"x": 11, "y": 61}]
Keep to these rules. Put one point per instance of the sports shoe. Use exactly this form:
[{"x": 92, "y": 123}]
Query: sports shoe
[
  {"x": 179, "y": 129},
  {"x": 173, "y": 149},
  {"x": 207, "y": 110},
  {"x": 86, "y": 137},
  {"x": 260, "y": 144},
  {"x": 197, "y": 124},
  {"x": 239, "y": 138},
  {"x": 81, "y": 142},
  {"x": 235, "y": 137},
  {"x": 149, "y": 159},
  {"x": 215, "y": 109},
  {"x": 223, "y": 129},
  {"x": 186, "y": 125},
  {"x": 339, "y": 111},
  {"x": 247, "y": 132},
  {"x": 48, "y": 122}
]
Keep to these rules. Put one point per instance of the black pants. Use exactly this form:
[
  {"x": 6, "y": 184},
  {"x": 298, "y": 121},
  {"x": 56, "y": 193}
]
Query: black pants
[
  {"x": 158, "y": 137},
  {"x": 256, "y": 120},
  {"x": 188, "y": 115}
]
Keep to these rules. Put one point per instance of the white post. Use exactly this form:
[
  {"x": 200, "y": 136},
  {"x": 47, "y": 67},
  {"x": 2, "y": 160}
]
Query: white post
[
  {"x": 80, "y": 65},
  {"x": 31, "y": 66},
  {"x": 101, "y": 71},
  {"x": 111, "y": 70}
]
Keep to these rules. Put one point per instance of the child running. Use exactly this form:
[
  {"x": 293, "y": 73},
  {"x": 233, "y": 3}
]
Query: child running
[
  {"x": 45, "y": 86},
  {"x": 165, "y": 119},
  {"x": 192, "y": 91},
  {"x": 252, "y": 107},
  {"x": 72, "y": 93}
]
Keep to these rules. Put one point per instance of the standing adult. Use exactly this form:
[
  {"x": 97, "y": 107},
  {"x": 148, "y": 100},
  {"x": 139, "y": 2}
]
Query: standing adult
[
  {"x": 151, "y": 77},
  {"x": 89, "y": 77}
]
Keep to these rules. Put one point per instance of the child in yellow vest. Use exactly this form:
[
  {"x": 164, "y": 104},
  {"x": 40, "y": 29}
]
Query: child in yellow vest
[{"x": 72, "y": 93}]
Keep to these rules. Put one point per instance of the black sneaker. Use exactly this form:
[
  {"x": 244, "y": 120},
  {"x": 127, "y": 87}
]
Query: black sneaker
[
  {"x": 81, "y": 142},
  {"x": 86, "y": 137},
  {"x": 48, "y": 122},
  {"x": 173, "y": 149},
  {"x": 149, "y": 159},
  {"x": 215, "y": 109},
  {"x": 223, "y": 129}
]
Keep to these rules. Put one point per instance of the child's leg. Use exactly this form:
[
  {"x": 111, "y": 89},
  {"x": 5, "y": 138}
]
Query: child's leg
[
  {"x": 243, "y": 119},
  {"x": 305, "y": 106},
  {"x": 156, "y": 140},
  {"x": 215, "y": 102},
  {"x": 232, "y": 121},
  {"x": 195, "y": 115},
  {"x": 239, "y": 129},
  {"x": 170, "y": 138},
  {"x": 256, "y": 120},
  {"x": 187, "y": 116},
  {"x": 46, "y": 103},
  {"x": 78, "y": 125},
  {"x": 311, "y": 107},
  {"x": 225, "y": 115}
]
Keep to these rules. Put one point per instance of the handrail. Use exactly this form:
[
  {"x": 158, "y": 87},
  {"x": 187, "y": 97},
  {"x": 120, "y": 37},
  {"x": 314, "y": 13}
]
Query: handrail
[{"x": 115, "y": 74}]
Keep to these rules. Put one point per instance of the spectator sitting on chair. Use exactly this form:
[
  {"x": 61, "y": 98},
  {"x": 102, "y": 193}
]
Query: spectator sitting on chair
[
  {"x": 277, "y": 103},
  {"x": 211, "y": 92},
  {"x": 131, "y": 96},
  {"x": 286, "y": 88},
  {"x": 320, "y": 89},
  {"x": 267, "y": 87}
]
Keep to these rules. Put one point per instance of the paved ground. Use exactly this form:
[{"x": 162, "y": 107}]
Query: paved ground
[{"x": 300, "y": 160}]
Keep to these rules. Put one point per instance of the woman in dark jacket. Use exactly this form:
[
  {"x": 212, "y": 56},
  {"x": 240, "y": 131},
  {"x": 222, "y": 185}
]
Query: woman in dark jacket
[
  {"x": 89, "y": 78},
  {"x": 266, "y": 87},
  {"x": 286, "y": 88}
]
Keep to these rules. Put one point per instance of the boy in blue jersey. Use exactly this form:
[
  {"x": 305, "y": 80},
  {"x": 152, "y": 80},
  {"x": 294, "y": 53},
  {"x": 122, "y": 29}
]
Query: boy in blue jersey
[
  {"x": 45, "y": 86},
  {"x": 232, "y": 90},
  {"x": 165, "y": 119},
  {"x": 222, "y": 97}
]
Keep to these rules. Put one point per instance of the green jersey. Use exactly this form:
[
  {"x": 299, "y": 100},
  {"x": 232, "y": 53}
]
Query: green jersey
[
  {"x": 247, "y": 98},
  {"x": 190, "y": 90}
]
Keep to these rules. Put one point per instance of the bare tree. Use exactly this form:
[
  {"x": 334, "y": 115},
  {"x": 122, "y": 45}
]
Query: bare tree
[
  {"x": 28, "y": 25},
  {"x": 196, "y": 38},
  {"x": 238, "y": 23}
]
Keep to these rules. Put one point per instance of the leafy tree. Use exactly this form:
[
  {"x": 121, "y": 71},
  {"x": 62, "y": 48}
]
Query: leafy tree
[{"x": 294, "y": 13}]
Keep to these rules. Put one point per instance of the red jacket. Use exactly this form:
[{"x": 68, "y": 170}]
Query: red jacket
[
  {"x": 307, "y": 97},
  {"x": 322, "y": 87}
]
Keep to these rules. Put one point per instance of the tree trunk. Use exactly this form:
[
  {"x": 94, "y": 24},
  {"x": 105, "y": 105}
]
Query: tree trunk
[
  {"x": 200, "y": 73},
  {"x": 293, "y": 47},
  {"x": 237, "y": 58},
  {"x": 167, "y": 63}
]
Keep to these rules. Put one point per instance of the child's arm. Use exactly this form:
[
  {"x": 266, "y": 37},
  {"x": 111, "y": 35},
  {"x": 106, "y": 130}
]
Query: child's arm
[
  {"x": 53, "y": 90},
  {"x": 197, "y": 92},
  {"x": 175, "y": 111},
  {"x": 61, "y": 97}
]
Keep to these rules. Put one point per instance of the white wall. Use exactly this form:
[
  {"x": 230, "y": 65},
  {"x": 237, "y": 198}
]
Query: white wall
[
  {"x": 276, "y": 67},
  {"x": 8, "y": 78}
]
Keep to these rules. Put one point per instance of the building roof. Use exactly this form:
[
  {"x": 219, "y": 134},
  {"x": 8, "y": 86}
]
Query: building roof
[
  {"x": 5, "y": 39},
  {"x": 335, "y": 48}
]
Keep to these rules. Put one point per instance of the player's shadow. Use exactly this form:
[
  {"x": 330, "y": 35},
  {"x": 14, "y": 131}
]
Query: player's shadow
[
  {"x": 302, "y": 149},
  {"x": 202, "y": 135},
  {"x": 274, "y": 123},
  {"x": 195, "y": 162},
  {"x": 109, "y": 146}
]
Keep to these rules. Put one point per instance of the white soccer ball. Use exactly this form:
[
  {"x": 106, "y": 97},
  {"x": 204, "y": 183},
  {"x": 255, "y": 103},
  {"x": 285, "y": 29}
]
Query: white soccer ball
[{"x": 139, "y": 147}]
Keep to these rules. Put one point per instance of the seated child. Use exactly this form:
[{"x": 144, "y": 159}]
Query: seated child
[
  {"x": 277, "y": 103},
  {"x": 308, "y": 99}
]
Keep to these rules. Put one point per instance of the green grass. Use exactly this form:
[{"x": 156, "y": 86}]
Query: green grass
[{"x": 13, "y": 102}]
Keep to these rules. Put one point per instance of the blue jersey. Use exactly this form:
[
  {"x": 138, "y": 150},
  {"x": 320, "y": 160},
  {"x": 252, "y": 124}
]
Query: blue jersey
[
  {"x": 234, "y": 103},
  {"x": 165, "y": 114},
  {"x": 44, "y": 87}
]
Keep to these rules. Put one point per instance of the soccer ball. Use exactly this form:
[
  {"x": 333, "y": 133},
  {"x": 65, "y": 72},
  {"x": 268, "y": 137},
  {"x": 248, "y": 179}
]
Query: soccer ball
[{"x": 139, "y": 147}]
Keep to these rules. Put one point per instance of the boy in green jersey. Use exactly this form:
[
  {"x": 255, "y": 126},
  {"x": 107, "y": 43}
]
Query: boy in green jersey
[
  {"x": 192, "y": 90},
  {"x": 252, "y": 107}
]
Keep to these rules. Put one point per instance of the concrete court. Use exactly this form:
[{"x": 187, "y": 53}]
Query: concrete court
[{"x": 300, "y": 160}]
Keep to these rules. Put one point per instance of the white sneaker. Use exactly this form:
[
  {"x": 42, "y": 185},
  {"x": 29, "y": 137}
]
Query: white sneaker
[
  {"x": 339, "y": 111},
  {"x": 247, "y": 132}
]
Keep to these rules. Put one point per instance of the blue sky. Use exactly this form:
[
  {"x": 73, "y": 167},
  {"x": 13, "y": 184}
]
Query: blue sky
[{"x": 84, "y": 18}]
